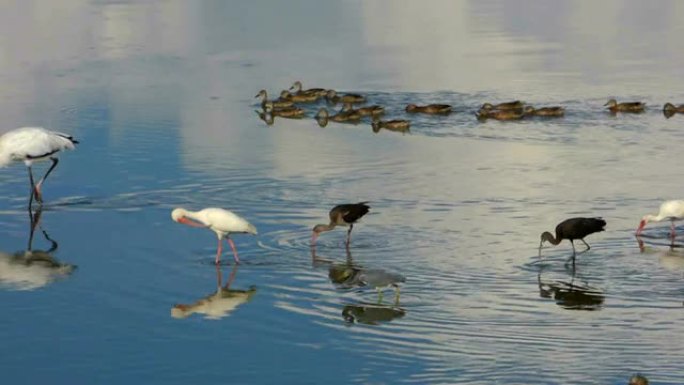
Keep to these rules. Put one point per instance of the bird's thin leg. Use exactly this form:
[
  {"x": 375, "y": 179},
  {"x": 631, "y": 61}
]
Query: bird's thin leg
[
  {"x": 232, "y": 246},
  {"x": 396, "y": 295},
  {"x": 231, "y": 278},
  {"x": 586, "y": 244},
  {"x": 39, "y": 196},
  {"x": 33, "y": 187},
  {"x": 672, "y": 230},
  {"x": 379, "y": 295},
  {"x": 573, "y": 248},
  {"x": 219, "y": 278},
  {"x": 218, "y": 252},
  {"x": 351, "y": 227}
]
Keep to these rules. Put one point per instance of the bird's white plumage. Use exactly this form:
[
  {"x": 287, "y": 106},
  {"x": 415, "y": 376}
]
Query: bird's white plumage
[
  {"x": 671, "y": 210},
  {"x": 29, "y": 144},
  {"x": 221, "y": 221}
]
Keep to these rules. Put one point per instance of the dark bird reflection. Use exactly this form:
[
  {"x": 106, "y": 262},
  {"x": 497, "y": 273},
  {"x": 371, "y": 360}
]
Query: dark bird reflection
[
  {"x": 570, "y": 294},
  {"x": 219, "y": 304},
  {"x": 32, "y": 269},
  {"x": 371, "y": 314},
  {"x": 349, "y": 275}
]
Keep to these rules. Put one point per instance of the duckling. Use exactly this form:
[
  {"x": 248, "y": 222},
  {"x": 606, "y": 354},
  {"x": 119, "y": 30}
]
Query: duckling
[
  {"x": 614, "y": 106},
  {"x": 483, "y": 114},
  {"x": 392, "y": 125},
  {"x": 514, "y": 105},
  {"x": 333, "y": 98},
  {"x": 670, "y": 109},
  {"x": 273, "y": 103},
  {"x": 297, "y": 88},
  {"x": 555, "y": 111},
  {"x": 373, "y": 110},
  {"x": 340, "y": 117},
  {"x": 287, "y": 112},
  {"x": 442, "y": 109},
  {"x": 638, "y": 379},
  {"x": 298, "y": 98}
]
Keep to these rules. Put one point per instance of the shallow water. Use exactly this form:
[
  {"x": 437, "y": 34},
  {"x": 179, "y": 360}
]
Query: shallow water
[{"x": 160, "y": 94}]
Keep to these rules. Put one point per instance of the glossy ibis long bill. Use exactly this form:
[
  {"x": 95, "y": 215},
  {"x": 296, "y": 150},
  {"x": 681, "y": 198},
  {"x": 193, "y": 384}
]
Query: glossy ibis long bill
[
  {"x": 571, "y": 229},
  {"x": 342, "y": 215}
]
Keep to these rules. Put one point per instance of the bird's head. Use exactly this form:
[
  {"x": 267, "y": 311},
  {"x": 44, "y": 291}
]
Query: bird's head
[
  {"x": 642, "y": 224},
  {"x": 411, "y": 107},
  {"x": 611, "y": 103},
  {"x": 317, "y": 230}
]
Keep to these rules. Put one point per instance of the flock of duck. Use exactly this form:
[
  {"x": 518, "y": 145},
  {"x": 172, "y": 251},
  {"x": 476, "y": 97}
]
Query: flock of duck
[{"x": 285, "y": 106}]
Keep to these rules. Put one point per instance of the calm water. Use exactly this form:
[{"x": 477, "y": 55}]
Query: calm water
[{"x": 160, "y": 94}]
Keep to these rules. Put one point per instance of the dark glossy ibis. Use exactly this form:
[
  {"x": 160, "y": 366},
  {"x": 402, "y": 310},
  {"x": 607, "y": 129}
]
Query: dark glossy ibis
[
  {"x": 571, "y": 229},
  {"x": 342, "y": 215}
]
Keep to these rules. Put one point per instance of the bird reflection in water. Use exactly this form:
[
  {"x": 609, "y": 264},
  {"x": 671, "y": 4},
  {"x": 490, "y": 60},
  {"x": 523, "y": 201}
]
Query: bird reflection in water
[
  {"x": 571, "y": 295},
  {"x": 219, "y": 304},
  {"x": 371, "y": 314},
  {"x": 31, "y": 269}
]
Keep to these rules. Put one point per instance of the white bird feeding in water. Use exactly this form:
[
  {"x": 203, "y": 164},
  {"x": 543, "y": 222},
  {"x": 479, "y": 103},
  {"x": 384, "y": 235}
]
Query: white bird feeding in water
[
  {"x": 669, "y": 210},
  {"x": 30, "y": 144},
  {"x": 220, "y": 221}
]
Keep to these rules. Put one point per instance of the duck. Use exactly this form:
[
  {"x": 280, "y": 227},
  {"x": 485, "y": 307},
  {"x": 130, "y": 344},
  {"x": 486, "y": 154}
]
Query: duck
[
  {"x": 614, "y": 106},
  {"x": 484, "y": 114},
  {"x": 287, "y": 112},
  {"x": 555, "y": 111},
  {"x": 297, "y": 98},
  {"x": 266, "y": 117},
  {"x": 342, "y": 116},
  {"x": 514, "y": 105},
  {"x": 374, "y": 110},
  {"x": 297, "y": 89},
  {"x": 429, "y": 109},
  {"x": 670, "y": 109},
  {"x": 332, "y": 97},
  {"x": 398, "y": 125},
  {"x": 272, "y": 103}
]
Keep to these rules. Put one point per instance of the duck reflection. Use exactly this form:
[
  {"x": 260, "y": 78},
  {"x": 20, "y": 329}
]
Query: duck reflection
[
  {"x": 571, "y": 295},
  {"x": 219, "y": 304},
  {"x": 32, "y": 269}
]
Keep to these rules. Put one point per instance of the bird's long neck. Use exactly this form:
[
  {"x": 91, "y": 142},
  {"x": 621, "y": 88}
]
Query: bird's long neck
[
  {"x": 197, "y": 217},
  {"x": 655, "y": 218},
  {"x": 327, "y": 227},
  {"x": 549, "y": 238}
]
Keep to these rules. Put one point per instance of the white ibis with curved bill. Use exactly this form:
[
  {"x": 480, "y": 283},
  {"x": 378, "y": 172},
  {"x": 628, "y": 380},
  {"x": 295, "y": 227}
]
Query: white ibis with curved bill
[
  {"x": 220, "y": 221},
  {"x": 669, "y": 210}
]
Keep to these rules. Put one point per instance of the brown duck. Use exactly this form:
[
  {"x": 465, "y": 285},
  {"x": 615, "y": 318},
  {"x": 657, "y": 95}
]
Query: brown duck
[
  {"x": 373, "y": 110},
  {"x": 670, "y": 109},
  {"x": 441, "y": 109},
  {"x": 297, "y": 89},
  {"x": 483, "y": 114},
  {"x": 286, "y": 112},
  {"x": 297, "y": 98},
  {"x": 514, "y": 105},
  {"x": 272, "y": 103},
  {"x": 340, "y": 117},
  {"x": 332, "y": 97},
  {"x": 614, "y": 106},
  {"x": 392, "y": 125},
  {"x": 555, "y": 111}
]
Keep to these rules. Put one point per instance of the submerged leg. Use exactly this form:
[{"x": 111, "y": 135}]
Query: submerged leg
[
  {"x": 586, "y": 244},
  {"x": 573, "y": 247},
  {"x": 379, "y": 295},
  {"x": 351, "y": 227},
  {"x": 232, "y": 246},
  {"x": 33, "y": 187},
  {"x": 39, "y": 195},
  {"x": 218, "y": 252}
]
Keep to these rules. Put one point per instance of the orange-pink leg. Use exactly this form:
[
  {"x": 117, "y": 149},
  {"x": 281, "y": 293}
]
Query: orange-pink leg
[
  {"x": 672, "y": 230},
  {"x": 232, "y": 246},
  {"x": 218, "y": 252}
]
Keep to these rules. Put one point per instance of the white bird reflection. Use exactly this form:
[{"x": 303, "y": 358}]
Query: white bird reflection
[
  {"x": 219, "y": 304},
  {"x": 32, "y": 269}
]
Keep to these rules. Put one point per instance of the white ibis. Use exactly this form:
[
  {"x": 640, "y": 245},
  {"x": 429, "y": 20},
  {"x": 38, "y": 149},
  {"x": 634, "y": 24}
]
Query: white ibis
[
  {"x": 220, "y": 221},
  {"x": 573, "y": 228},
  {"x": 670, "y": 210},
  {"x": 342, "y": 215},
  {"x": 30, "y": 144}
]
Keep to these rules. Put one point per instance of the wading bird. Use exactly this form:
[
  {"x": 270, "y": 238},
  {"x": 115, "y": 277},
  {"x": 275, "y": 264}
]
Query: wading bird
[
  {"x": 342, "y": 215},
  {"x": 669, "y": 210},
  {"x": 220, "y": 221},
  {"x": 571, "y": 229},
  {"x": 31, "y": 144}
]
